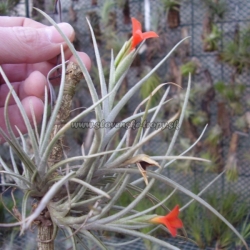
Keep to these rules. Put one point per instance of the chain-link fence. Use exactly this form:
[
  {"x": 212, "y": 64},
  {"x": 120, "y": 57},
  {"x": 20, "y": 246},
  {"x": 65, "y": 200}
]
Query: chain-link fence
[
  {"x": 211, "y": 34},
  {"x": 210, "y": 69},
  {"x": 215, "y": 74}
]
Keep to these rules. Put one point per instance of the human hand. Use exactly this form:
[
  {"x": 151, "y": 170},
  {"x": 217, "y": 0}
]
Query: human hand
[{"x": 28, "y": 51}]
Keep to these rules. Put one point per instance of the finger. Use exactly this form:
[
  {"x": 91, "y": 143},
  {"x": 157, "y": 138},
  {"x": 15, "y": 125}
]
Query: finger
[
  {"x": 15, "y": 116},
  {"x": 6, "y": 21},
  {"x": 22, "y": 71},
  {"x": 85, "y": 59},
  {"x": 32, "y": 45},
  {"x": 19, "y": 72},
  {"x": 34, "y": 85},
  {"x": 56, "y": 78},
  {"x": 57, "y": 60},
  {"x": 83, "y": 56}
]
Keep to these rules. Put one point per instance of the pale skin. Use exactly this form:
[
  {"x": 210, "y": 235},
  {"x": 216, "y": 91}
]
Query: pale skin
[{"x": 28, "y": 51}]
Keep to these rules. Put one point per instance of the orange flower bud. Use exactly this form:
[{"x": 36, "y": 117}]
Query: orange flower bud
[{"x": 171, "y": 221}]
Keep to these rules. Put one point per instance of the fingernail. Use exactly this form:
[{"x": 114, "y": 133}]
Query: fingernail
[{"x": 55, "y": 36}]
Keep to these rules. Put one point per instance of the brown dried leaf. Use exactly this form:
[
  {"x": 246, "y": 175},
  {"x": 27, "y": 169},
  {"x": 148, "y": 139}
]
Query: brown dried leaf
[{"x": 142, "y": 161}]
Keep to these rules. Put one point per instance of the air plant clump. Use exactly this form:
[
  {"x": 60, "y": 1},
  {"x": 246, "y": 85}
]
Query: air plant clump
[
  {"x": 232, "y": 95},
  {"x": 190, "y": 67},
  {"x": 211, "y": 39},
  {"x": 216, "y": 8},
  {"x": 236, "y": 52},
  {"x": 172, "y": 8},
  {"x": 81, "y": 199},
  {"x": 211, "y": 34}
]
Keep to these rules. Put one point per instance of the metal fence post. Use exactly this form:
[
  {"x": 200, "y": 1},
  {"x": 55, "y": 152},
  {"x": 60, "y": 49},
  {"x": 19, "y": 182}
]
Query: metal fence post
[{"x": 27, "y": 8}]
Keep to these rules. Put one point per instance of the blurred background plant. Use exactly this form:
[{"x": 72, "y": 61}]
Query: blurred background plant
[
  {"x": 236, "y": 52},
  {"x": 8, "y": 7},
  {"x": 211, "y": 35},
  {"x": 172, "y": 10}
]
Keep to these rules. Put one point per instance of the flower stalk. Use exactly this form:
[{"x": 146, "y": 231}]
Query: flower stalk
[{"x": 72, "y": 78}]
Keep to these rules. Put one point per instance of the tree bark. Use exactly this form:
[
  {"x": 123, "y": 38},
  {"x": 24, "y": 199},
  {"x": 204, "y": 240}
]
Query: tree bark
[{"x": 44, "y": 235}]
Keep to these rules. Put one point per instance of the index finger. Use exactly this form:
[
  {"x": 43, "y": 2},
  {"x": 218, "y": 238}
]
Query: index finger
[{"x": 7, "y": 21}]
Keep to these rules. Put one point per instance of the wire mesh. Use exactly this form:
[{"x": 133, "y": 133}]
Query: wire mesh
[{"x": 192, "y": 14}]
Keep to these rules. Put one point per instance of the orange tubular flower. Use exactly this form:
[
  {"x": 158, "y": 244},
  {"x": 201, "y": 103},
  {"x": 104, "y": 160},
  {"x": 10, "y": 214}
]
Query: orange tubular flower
[
  {"x": 138, "y": 36},
  {"x": 171, "y": 221}
]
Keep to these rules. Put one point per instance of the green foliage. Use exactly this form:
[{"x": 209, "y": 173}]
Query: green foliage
[
  {"x": 236, "y": 53},
  {"x": 151, "y": 83},
  {"x": 121, "y": 3},
  {"x": 231, "y": 94},
  {"x": 8, "y": 6},
  {"x": 171, "y": 4},
  {"x": 196, "y": 227},
  {"x": 105, "y": 11},
  {"x": 245, "y": 232},
  {"x": 213, "y": 38},
  {"x": 109, "y": 36},
  {"x": 212, "y": 165},
  {"x": 200, "y": 224},
  {"x": 240, "y": 123},
  {"x": 200, "y": 118},
  {"x": 231, "y": 168},
  {"x": 188, "y": 68},
  {"x": 155, "y": 195},
  {"x": 214, "y": 136},
  {"x": 114, "y": 42},
  {"x": 205, "y": 228},
  {"x": 225, "y": 240},
  {"x": 233, "y": 54},
  {"x": 216, "y": 8}
]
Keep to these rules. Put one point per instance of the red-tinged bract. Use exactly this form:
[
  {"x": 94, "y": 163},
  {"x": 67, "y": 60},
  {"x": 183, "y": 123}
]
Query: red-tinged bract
[
  {"x": 171, "y": 221},
  {"x": 138, "y": 36}
]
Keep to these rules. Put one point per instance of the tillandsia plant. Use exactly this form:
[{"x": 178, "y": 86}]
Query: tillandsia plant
[
  {"x": 81, "y": 199},
  {"x": 172, "y": 8},
  {"x": 211, "y": 34}
]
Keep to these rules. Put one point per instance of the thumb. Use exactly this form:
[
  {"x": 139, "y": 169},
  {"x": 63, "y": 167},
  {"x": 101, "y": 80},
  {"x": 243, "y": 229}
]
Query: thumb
[{"x": 32, "y": 45}]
